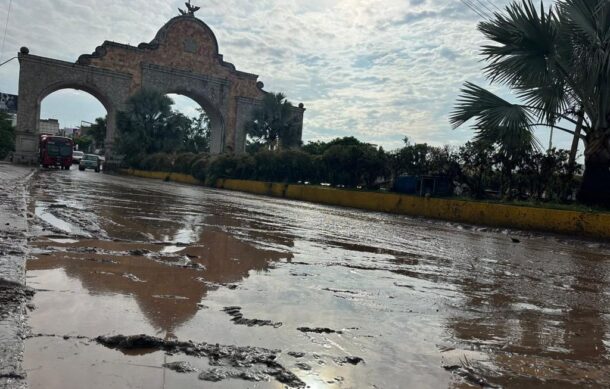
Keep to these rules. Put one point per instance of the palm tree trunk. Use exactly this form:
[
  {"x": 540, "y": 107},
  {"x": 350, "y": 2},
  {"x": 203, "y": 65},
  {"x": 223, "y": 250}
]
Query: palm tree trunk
[
  {"x": 595, "y": 188},
  {"x": 576, "y": 140}
]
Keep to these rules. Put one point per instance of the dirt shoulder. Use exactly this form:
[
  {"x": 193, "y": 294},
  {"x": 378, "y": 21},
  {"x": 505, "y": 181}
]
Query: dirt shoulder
[{"x": 13, "y": 252}]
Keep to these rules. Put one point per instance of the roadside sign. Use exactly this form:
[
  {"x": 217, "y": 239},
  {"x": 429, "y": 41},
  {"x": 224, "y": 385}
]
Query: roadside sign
[{"x": 8, "y": 103}]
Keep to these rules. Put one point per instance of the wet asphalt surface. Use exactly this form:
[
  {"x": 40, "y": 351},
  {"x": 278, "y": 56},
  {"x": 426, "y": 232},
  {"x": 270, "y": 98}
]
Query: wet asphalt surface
[{"x": 274, "y": 293}]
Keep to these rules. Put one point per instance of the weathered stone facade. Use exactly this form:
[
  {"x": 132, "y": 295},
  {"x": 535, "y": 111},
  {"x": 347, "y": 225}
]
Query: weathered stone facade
[{"x": 183, "y": 58}]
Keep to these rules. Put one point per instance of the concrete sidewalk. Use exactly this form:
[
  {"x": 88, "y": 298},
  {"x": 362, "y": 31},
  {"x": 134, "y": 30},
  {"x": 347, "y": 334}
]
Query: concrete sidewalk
[{"x": 13, "y": 292}]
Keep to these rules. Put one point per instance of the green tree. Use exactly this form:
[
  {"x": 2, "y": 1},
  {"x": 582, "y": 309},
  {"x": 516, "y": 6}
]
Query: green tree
[
  {"x": 354, "y": 165},
  {"x": 315, "y": 147},
  {"x": 274, "y": 123},
  {"x": 97, "y": 132},
  {"x": 7, "y": 136},
  {"x": 197, "y": 134},
  {"x": 148, "y": 125},
  {"x": 253, "y": 147},
  {"x": 557, "y": 60},
  {"x": 410, "y": 159},
  {"x": 84, "y": 143},
  {"x": 320, "y": 147},
  {"x": 474, "y": 159}
]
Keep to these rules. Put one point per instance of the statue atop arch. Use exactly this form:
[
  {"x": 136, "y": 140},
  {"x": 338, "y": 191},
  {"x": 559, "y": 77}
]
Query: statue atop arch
[{"x": 190, "y": 9}]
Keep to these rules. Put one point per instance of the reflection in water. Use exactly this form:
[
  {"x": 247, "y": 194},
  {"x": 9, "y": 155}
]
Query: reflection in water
[{"x": 167, "y": 294}]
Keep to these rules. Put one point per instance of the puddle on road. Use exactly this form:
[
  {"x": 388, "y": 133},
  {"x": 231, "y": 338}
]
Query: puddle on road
[{"x": 340, "y": 298}]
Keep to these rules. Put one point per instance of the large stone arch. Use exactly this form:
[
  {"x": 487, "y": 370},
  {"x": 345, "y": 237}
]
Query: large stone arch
[
  {"x": 39, "y": 77},
  {"x": 183, "y": 58}
]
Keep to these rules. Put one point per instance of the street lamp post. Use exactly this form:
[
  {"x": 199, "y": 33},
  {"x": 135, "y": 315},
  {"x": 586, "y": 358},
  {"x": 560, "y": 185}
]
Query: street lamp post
[
  {"x": 81, "y": 131},
  {"x": 7, "y": 61},
  {"x": 24, "y": 50}
]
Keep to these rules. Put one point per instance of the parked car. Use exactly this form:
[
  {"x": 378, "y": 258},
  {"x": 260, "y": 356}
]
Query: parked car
[
  {"x": 77, "y": 156},
  {"x": 90, "y": 161}
]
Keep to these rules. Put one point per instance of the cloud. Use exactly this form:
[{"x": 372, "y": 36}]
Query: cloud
[{"x": 376, "y": 70}]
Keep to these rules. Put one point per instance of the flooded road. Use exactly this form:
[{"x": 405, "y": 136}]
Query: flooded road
[{"x": 233, "y": 290}]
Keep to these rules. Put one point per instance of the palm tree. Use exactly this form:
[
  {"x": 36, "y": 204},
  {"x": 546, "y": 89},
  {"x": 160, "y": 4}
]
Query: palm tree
[
  {"x": 274, "y": 123},
  {"x": 148, "y": 125},
  {"x": 557, "y": 61},
  {"x": 97, "y": 131}
]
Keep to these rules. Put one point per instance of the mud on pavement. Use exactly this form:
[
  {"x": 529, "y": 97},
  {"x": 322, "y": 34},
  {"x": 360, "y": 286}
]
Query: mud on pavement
[
  {"x": 232, "y": 290},
  {"x": 13, "y": 292}
]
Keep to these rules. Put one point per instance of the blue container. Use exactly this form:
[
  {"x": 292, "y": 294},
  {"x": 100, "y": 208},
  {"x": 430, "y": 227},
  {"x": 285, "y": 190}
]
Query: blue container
[{"x": 406, "y": 184}]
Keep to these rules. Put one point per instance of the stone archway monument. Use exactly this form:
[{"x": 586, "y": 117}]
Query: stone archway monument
[{"x": 183, "y": 58}]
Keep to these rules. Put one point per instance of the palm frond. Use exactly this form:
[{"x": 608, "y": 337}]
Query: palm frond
[
  {"x": 585, "y": 29},
  {"x": 526, "y": 38},
  {"x": 495, "y": 119},
  {"x": 488, "y": 109},
  {"x": 582, "y": 16},
  {"x": 548, "y": 101}
]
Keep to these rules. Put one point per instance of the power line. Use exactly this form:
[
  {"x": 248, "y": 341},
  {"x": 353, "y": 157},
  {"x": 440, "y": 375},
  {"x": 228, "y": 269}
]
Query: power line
[
  {"x": 8, "y": 14},
  {"x": 474, "y": 8},
  {"x": 495, "y": 6},
  {"x": 470, "y": 7},
  {"x": 477, "y": 9},
  {"x": 483, "y": 8},
  {"x": 482, "y": 2}
]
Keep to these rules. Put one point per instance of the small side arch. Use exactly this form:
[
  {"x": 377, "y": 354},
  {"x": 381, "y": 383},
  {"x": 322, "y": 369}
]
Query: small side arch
[
  {"x": 39, "y": 77},
  {"x": 90, "y": 89}
]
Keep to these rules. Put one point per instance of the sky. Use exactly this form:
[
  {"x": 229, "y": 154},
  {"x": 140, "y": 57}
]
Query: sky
[{"x": 379, "y": 70}]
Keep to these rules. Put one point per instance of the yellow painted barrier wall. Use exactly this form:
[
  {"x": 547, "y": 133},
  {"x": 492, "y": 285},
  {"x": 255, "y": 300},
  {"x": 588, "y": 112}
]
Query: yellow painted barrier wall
[{"x": 588, "y": 224}]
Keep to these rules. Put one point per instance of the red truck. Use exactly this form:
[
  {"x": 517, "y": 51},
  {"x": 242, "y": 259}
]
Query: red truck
[{"x": 55, "y": 151}]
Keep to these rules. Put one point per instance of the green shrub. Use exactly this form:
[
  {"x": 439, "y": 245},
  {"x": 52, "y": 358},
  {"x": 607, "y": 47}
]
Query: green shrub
[
  {"x": 230, "y": 166},
  {"x": 183, "y": 163},
  {"x": 7, "y": 136},
  {"x": 295, "y": 166},
  {"x": 266, "y": 166},
  {"x": 159, "y": 162},
  {"x": 354, "y": 165},
  {"x": 134, "y": 161},
  {"x": 244, "y": 167},
  {"x": 222, "y": 166},
  {"x": 199, "y": 168}
]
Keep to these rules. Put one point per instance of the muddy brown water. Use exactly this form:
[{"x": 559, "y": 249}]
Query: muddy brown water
[{"x": 424, "y": 304}]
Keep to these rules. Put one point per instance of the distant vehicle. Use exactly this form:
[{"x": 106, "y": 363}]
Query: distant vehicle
[
  {"x": 90, "y": 161},
  {"x": 77, "y": 156},
  {"x": 55, "y": 151}
]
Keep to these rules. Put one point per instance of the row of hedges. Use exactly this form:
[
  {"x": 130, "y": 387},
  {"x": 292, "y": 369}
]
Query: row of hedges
[
  {"x": 346, "y": 167},
  {"x": 473, "y": 170}
]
